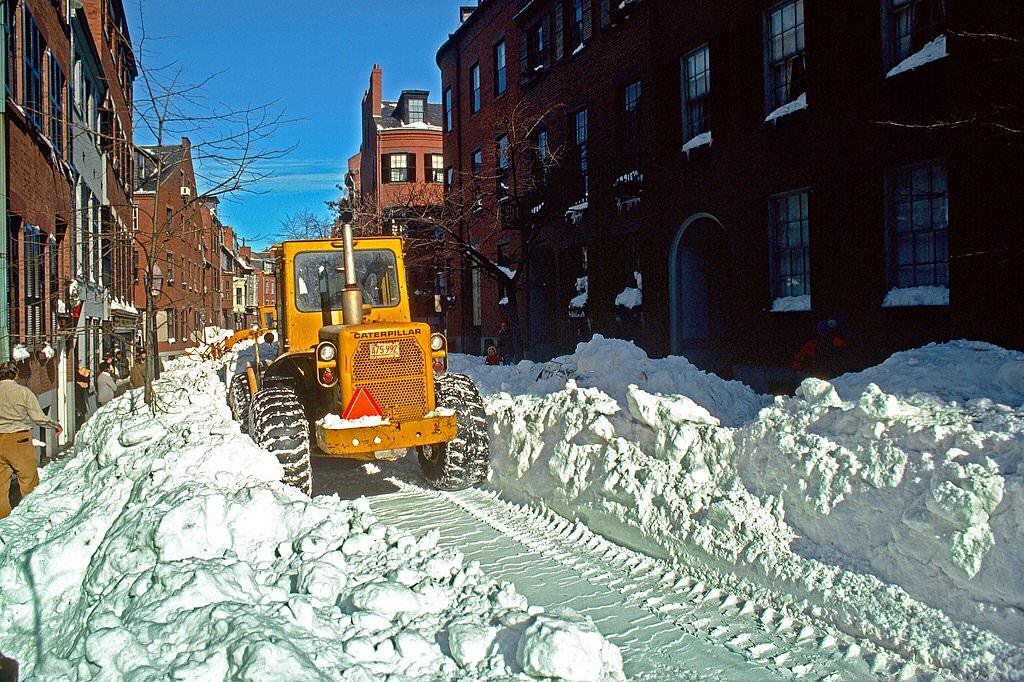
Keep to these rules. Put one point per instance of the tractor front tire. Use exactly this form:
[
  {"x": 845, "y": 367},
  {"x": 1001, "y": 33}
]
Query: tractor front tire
[
  {"x": 461, "y": 462},
  {"x": 278, "y": 424},
  {"x": 239, "y": 400}
]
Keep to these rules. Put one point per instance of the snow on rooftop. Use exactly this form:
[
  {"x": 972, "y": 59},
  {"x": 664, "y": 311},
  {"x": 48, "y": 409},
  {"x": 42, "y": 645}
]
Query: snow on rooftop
[
  {"x": 932, "y": 51},
  {"x": 164, "y": 547}
]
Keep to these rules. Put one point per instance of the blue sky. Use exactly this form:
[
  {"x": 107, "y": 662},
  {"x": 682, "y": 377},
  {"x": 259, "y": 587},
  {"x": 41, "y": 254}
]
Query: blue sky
[{"x": 314, "y": 58}]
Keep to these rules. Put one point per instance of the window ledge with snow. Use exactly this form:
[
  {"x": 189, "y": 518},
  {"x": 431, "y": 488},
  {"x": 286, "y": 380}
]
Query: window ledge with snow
[
  {"x": 932, "y": 51},
  {"x": 916, "y": 296},
  {"x": 790, "y": 304},
  {"x": 702, "y": 140},
  {"x": 798, "y": 104}
]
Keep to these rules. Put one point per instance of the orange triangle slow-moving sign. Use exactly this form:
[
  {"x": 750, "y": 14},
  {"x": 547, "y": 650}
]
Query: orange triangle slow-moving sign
[{"x": 362, "y": 405}]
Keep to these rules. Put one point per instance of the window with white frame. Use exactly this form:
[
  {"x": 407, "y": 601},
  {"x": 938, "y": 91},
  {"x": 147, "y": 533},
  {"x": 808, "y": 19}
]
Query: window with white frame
[
  {"x": 629, "y": 131},
  {"x": 696, "y": 88},
  {"x": 912, "y": 24},
  {"x": 35, "y": 294},
  {"x": 786, "y": 78},
  {"x": 789, "y": 245},
  {"x": 398, "y": 167},
  {"x": 435, "y": 167},
  {"x": 414, "y": 109},
  {"x": 500, "y": 69},
  {"x": 474, "y": 88},
  {"x": 917, "y": 225},
  {"x": 476, "y": 169}
]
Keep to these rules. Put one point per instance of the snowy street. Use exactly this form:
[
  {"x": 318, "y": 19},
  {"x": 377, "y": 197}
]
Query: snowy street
[{"x": 642, "y": 520}]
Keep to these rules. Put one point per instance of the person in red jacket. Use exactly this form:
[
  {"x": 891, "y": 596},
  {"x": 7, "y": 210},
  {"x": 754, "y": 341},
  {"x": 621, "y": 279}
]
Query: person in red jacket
[
  {"x": 824, "y": 356},
  {"x": 492, "y": 357}
]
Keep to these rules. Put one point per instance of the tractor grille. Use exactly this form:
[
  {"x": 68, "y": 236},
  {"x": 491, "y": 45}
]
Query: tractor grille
[{"x": 396, "y": 384}]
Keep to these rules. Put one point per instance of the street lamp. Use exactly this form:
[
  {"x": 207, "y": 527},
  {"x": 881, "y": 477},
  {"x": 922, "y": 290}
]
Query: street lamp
[{"x": 156, "y": 284}]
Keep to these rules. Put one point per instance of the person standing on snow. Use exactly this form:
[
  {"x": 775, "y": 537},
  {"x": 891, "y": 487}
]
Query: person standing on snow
[
  {"x": 106, "y": 387},
  {"x": 824, "y": 357},
  {"x": 19, "y": 411},
  {"x": 505, "y": 347}
]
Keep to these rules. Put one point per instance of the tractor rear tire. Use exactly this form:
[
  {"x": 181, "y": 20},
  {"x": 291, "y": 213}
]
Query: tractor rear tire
[
  {"x": 278, "y": 424},
  {"x": 239, "y": 400},
  {"x": 463, "y": 461}
]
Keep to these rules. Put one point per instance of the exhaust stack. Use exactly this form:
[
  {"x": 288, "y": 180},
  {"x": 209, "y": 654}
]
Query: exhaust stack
[{"x": 351, "y": 295}]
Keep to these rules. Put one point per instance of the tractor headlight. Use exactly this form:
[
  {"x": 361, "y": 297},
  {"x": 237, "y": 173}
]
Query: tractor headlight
[
  {"x": 327, "y": 352},
  {"x": 436, "y": 342}
]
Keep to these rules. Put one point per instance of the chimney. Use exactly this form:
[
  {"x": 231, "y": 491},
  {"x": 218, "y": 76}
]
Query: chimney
[
  {"x": 376, "y": 88},
  {"x": 464, "y": 13}
]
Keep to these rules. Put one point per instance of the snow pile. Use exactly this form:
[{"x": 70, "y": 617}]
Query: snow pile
[
  {"x": 611, "y": 365},
  {"x": 914, "y": 296},
  {"x": 970, "y": 373},
  {"x": 892, "y": 515},
  {"x": 164, "y": 547}
]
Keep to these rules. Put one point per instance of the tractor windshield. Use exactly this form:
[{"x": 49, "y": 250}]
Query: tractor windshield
[{"x": 324, "y": 271}]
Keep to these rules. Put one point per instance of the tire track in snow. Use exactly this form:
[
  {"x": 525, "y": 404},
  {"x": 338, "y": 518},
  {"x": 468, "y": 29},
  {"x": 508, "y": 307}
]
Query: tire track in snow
[{"x": 669, "y": 625}]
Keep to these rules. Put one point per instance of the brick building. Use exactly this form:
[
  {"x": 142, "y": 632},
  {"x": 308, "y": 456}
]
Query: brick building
[
  {"x": 171, "y": 231},
  {"x": 399, "y": 170},
  {"x": 752, "y": 167}
]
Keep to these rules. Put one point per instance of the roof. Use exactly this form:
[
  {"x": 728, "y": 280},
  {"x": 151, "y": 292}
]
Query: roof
[
  {"x": 389, "y": 115},
  {"x": 147, "y": 158}
]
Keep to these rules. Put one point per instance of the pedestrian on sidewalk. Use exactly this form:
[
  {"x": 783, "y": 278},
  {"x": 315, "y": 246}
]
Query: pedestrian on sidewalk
[
  {"x": 106, "y": 386},
  {"x": 19, "y": 412},
  {"x": 137, "y": 375},
  {"x": 85, "y": 396}
]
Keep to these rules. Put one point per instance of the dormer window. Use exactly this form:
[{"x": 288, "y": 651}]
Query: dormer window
[
  {"x": 415, "y": 112},
  {"x": 411, "y": 107}
]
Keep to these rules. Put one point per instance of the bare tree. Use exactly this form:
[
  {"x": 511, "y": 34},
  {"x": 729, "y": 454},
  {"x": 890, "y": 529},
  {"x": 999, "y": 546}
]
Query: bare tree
[
  {"x": 512, "y": 202},
  {"x": 230, "y": 148},
  {"x": 305, "y": 224}
]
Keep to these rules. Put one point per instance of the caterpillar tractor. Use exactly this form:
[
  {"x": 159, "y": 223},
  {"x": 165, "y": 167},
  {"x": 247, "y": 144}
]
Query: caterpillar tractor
[{"x": 353, "y": 374}]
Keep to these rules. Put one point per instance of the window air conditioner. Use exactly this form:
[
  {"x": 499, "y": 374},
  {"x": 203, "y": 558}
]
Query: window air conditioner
[{"x": 186, "y": 191}]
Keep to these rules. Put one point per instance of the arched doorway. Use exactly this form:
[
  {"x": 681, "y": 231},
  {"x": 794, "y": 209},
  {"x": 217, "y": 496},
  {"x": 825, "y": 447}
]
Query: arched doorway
[{"x": 699, "y": 283}]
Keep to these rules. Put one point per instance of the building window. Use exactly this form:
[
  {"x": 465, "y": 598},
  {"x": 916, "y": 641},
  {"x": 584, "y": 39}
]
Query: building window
[
  {"x": 532, "y": 50},
  {"x": 414, "y": 110},
  {"x": 476, "y": 169},
  {"x": 400, "y": 167},
  {"x": 33, "y": 70},
  {"x": 9, "y": 20},
  {"x": 629, "y": 150},
  {"x": 170, "y": 267},
  {"x": 696, "y": 87},
  {"x": 474, "y": 86},
  {"x": 789, "y": 245},
  {"x": 435, "y": 167},
  {"x": 579, "y": 135},
  {"x": 56, "y": 106},
  {"x": 449, "y": 178},
  {"x": 917, "y": 225},
  {"x": 35, "y": 245},
  {"x": 786, "y": 63},
  {"x": 500, "y": 70},
  {"x": 580, "y": 24},
  {"x": 911, "y": 25},
  {"x": 504, "y": 164},
  {"x": 542, "y": 158},
  {"x": 448, "y": 110}
]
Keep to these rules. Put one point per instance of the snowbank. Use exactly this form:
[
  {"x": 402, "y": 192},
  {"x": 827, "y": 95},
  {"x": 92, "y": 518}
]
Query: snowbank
[
  {"x": 165, "y": 548},
  {"x": 612, "y": 365},
  {"x": 893, "y": 515}
]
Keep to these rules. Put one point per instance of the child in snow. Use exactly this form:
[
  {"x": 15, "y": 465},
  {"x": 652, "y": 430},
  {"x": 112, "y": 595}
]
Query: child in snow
[{"x": 492, "y": 356}]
